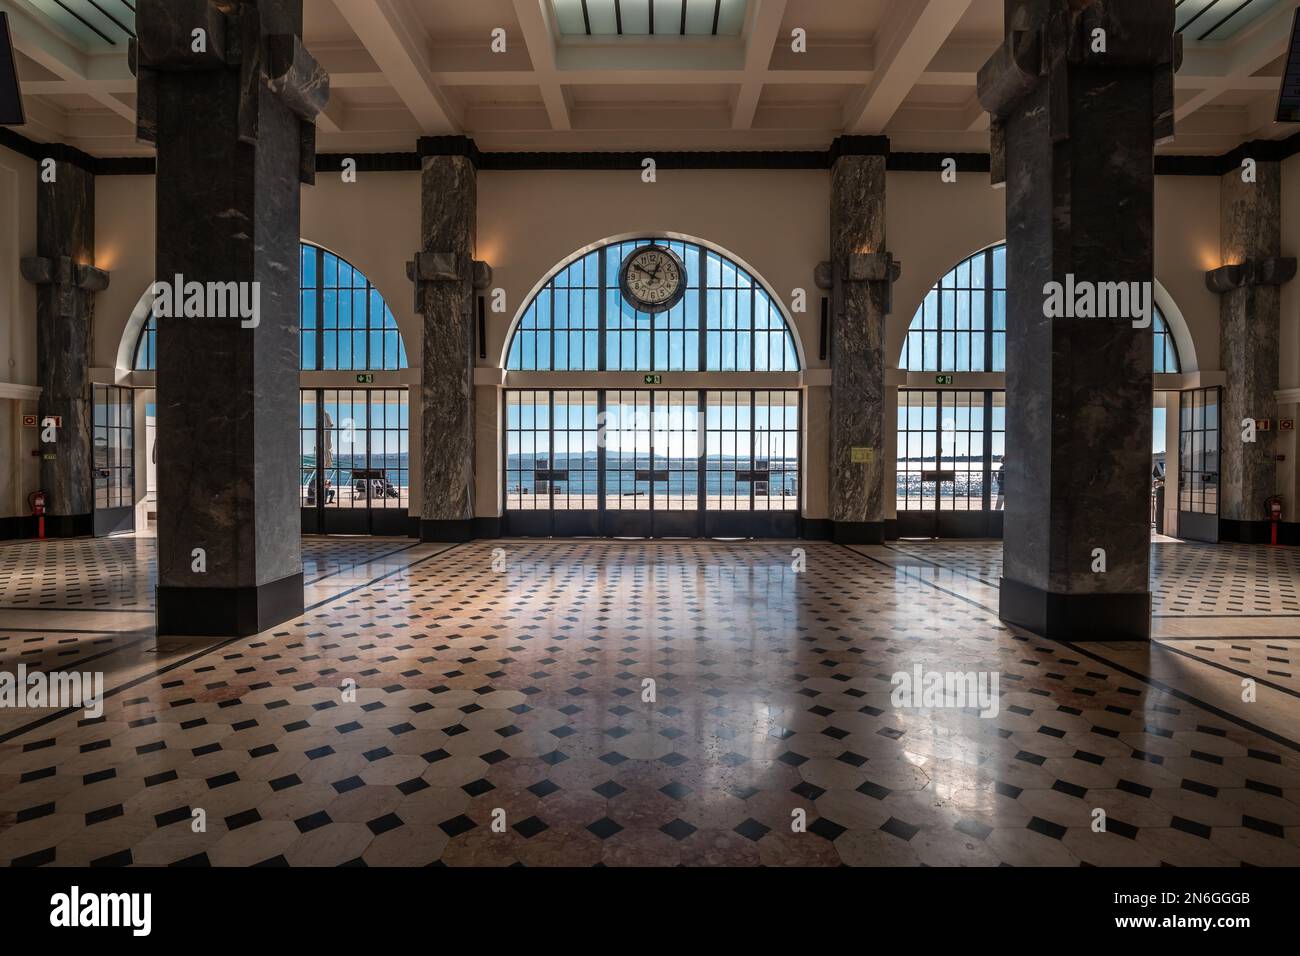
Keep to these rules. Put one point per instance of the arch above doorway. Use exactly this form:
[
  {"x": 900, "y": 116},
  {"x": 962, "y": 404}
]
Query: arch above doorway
[
  {"x": 960, "y": 325},
  {"x": 345, "y": 324},
  {"x": 729, "y": 320}
]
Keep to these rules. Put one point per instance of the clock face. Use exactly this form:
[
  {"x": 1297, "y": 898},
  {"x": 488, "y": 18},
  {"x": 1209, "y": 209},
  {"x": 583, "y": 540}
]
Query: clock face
[{"x": 653, "y": 278}]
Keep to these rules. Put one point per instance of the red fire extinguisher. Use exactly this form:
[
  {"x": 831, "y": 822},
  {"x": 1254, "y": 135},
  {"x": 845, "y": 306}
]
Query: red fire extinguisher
[
  {"x": 1274, "y": 506},
  {"x": 37, "y": 501}
]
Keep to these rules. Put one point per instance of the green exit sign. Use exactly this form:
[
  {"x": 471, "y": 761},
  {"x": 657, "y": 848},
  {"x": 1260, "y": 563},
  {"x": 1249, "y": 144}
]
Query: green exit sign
[
  {"x": 366, "y": 379},
  {"x": 654, "y": 379},
  {"x": 943, "y": 380}
]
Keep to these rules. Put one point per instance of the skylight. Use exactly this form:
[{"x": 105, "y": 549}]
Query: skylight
[{"x": 694, "y": 18}]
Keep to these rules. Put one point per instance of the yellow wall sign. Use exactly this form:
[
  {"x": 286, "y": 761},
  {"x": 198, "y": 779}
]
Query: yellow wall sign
[{"x": 863, "y": 456}]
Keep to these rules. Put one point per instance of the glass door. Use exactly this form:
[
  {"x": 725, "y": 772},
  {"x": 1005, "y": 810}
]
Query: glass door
[
  {"x": 675, "y": 464},
  {"x": 630, "y": 479},
  {"x": 113, "y": 466},
  {"x": 950, "y": 453},
  {"x": 648, "y": 463},
  {"x": 355, "y": 461},
  {"x": 1198, "y": 464}
]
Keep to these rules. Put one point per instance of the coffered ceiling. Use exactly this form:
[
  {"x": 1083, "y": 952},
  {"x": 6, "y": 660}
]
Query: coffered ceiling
[{"x": 595, "y": 74}]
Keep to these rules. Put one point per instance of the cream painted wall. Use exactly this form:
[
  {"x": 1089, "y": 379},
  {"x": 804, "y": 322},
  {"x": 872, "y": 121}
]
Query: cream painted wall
[
  {"x": 1290, "y": 346},
  {"x": 124, "y": 245},
  {"x": 373, "y": 223},
  {"x": 775, "y": 221},
  {"x": 20, "y": 474},
  {"x": 1288, "y": 471},
  {"x": 934, "y": 225},
  {"x": 1187, "y": 246}
]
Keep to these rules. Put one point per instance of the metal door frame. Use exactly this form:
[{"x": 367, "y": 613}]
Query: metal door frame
[
  {"x": 318, "y": 518},
  {"x": 939, "y": 523},
  {"x": 112, "y": 519},
  {"x": 650, "y": 522},
  {"x": 1200, "y": 525}
]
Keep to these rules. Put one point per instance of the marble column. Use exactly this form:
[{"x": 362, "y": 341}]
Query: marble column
[
  {"x": 1075, "y": 123},
  {"x": 860, "y": 276},
  {"x": 443, "y": 272},
  {"x": 1250, "y": 312},
  {"x": 234, "y": 135},
  {"x": 67, "y": 280}
]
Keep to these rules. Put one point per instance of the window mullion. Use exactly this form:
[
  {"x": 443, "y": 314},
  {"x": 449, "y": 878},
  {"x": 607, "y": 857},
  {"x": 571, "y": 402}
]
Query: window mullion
[
  {"x": 320, "y": 308},
  {"x": 989, "y": 324}
]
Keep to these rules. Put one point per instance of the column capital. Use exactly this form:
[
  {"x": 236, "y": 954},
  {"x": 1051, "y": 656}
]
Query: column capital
[
  {"x": 1124, "y": 37},
  {"x": 1273, "y": 271},
  {"x": 238, "y": 37},
  {"x": 63, "y": 272},
  {"x": 436, "y": 267},
  {"x": 869, "y": 267}
]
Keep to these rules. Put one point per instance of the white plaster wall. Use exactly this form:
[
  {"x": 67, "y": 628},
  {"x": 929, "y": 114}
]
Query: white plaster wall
[{"x": 20, "y": 472}]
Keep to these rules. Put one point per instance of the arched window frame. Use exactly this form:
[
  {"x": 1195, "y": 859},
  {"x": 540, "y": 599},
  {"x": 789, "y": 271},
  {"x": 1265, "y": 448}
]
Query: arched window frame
[
  {"x": 578, "y": 320},
  {"x": 949, "y": 341},
  {"x": 332, "y": 292}
]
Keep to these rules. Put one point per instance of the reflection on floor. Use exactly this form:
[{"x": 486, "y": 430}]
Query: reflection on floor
[{"x": 506, "y": 681}]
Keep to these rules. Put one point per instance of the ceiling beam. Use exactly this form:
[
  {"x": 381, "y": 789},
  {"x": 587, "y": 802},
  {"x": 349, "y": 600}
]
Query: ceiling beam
[
  {"x": 1262, "y": 43},
  {"x": 764, "y": 27},
  {"x": 539, "y": 39},
  {"x": 36, "y": 39},
  {"x": 911, "y": 35},
  {"x": 396, "y": 40}
]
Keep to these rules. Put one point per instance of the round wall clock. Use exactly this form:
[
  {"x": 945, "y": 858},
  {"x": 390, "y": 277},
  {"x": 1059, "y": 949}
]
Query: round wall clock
[{"x": 653, "y": 278}]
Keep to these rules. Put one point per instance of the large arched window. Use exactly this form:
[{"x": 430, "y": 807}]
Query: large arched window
[
  {"x": 727, "y": 321},
  {"x": 345, "y": 323},
  {"x": 961, "y": 325}
]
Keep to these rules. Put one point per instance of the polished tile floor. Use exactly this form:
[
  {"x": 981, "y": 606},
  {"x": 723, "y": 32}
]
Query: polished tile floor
[{"x": 485, "y": 704}]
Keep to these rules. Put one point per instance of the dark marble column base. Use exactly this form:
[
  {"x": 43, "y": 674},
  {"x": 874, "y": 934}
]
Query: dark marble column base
[
  {"x": 17, "y": 526},
  {"x": 487, "y": 527},
  {"x": 228, "y": 612},
  {"x": 454, "y": 531},
  {"x": 858, "y": 532},
  {"x": 1254, "y": 532},
  {"x": 67, "y": 526},
  {"x": 814, "y": 529},
  {"x": 1075, "y": 617}
]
